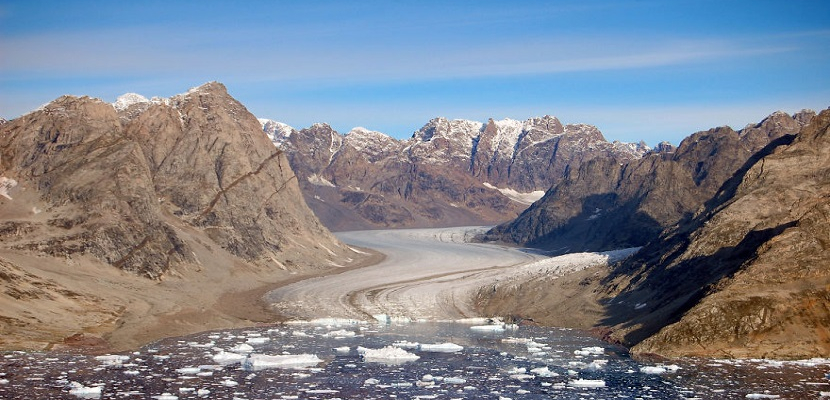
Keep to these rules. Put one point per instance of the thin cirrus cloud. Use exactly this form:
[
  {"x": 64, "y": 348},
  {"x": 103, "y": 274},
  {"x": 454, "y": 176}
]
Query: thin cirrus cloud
[{"x": 130, "y": 52}]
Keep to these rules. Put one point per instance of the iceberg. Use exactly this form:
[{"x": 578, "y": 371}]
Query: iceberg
[
  {"x": 587, "y": 383},
  {"x": 441, "y": 348},
  {"x": 256, "y": 362},
  {"x": 388, "y": 354}
]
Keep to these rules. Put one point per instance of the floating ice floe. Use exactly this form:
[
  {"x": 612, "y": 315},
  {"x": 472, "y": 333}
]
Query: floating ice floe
[
  {"x": 342, "y": 350},
  {"x": 85, "y": 392},
  {"x": 227, "y": 358},
  {"x": 587, "y": 383},
  {"x": 340, "y": 334},
  {"x": 258, "y": 340},
  {"x": 543, "y": 372},
  {"x": 256, "y": 362},
  {"x": 388, "y": 354},
  {"x": 455, "y": 381},
  {"x": 110, "y": 360},
  {"x": 659, "y": 369},
  {"x": 242, "y": 348},
  {"x": 587, "y": 351},
  {"x": 188, "y": 370},
  {"x": 165, "y": 396},
  {"x": 489, "y": 328},
  {"x": 406, "y": 345},
  {"x": 441, "y": 348},
  {"x": 762, "y": 396}
]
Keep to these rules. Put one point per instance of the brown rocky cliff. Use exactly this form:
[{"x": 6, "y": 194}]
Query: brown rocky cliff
[
  {"x": 749, "y": 274},
  {"x": 111, "y": 182},
  {"x": 185, "y": 191},
  {"x": 606, "y": 205}
]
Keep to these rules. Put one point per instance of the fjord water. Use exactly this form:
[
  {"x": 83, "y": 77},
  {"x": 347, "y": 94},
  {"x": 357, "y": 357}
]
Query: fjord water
[
  {"x": 443, "y": 356},
  {"x": 323, "y": 361}
]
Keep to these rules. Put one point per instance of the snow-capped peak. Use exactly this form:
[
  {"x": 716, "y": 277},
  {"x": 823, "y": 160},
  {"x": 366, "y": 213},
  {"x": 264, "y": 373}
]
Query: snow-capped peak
[
  {"x": 126, "y": 100},
  {"x": 277, "y": 131},
  {"x": 360, "y": 131}
]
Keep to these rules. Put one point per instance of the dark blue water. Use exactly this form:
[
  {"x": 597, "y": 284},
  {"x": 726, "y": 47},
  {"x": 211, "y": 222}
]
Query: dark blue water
[{"x": 525, "y": 363}]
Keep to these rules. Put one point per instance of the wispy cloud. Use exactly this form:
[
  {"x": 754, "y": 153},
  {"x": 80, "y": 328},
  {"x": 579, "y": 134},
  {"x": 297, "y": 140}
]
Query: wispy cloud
[{"x": 131, "y": 52}]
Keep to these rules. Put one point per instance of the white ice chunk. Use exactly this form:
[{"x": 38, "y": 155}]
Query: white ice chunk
[
  {"x": 258, "y": 340},
  {"x": 85, "y": 392},
  {"x": 227, "y": 358},
  {"x": 587, "y": 383},
  {"x": 441, "y": 348},
  {"x": 256, "y": 362},
  {"x": 406, "y": 345},
  {"x": 543, "y": 372},
  {"x": 112, "y": 360},
  {"x": 455, "y": 381},
  {"x": 488, "y": 328},
  {"x": 586, "y": 351},
  {"x": 342, "y": 333},
  {"x": 165, "y": 396},
  {"x": 388, "y": 354},
  {"x": 762, "y": 396},
  {"x": 242, "y": 348},
  {"x": 188, "y": 370},
  {"x": 653, "y": 370}
]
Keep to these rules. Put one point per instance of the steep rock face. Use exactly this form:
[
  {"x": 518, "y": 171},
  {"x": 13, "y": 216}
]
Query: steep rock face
[
  {"x": 606, "y": 204},
  {"x": 447, "y": 173},
  {"x": 109, "y": 179},
  {"x": 186, "y": 191},
  {"x": 747, "y": 275}
]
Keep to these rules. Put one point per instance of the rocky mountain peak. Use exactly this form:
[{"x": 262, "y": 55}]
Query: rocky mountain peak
[
  {"x": 456, "y": 130},
  {"x": 128, "y": 99},
  {"x": 114, "y": 181},
  {"x": 278, "y": 132},
  {"x": 664, "y": 147}
]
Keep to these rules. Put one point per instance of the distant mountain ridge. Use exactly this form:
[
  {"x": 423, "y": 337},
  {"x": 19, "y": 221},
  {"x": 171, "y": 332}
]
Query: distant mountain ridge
[{"x": 450, "y": 172}]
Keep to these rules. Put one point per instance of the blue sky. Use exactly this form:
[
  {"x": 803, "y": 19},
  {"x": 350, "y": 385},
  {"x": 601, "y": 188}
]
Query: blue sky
[{"x": 639, "y": 70}]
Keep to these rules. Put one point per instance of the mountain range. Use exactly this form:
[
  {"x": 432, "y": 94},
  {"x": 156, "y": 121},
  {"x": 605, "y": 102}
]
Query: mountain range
[
  {"x": 122, "y": 223},
  {"x": 450, "y": 172}
]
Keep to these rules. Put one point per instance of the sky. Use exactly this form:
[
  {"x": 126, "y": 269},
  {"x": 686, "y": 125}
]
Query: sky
[{"x": 638, "y": 70}]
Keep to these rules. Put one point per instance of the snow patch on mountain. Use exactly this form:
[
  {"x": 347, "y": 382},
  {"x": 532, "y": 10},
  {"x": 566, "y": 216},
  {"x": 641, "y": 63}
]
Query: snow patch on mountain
[
  {"x": 277, "y": 131},
  {"x": 373, "y": 144},
  {"x": 126, "y": 100},
  {"x": 318, "y": 180},
  {"x": 522, "y": 198}
]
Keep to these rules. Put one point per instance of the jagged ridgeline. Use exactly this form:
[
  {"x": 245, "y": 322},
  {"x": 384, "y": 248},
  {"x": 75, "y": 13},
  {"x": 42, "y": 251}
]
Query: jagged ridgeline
[
  {"x": 136, "y": 183},
  {"x": 605, "y": 205},
  {"x": 748, "y": 274},
  {"x": 449, "y": 173}
]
